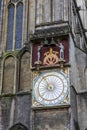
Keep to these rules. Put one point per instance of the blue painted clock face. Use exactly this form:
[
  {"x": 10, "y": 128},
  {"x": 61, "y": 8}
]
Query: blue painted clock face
[{"x": 51, "y": 88}]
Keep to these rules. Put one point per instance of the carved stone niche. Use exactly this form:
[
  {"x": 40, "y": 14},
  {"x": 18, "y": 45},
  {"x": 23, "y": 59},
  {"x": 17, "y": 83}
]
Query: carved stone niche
[{"x": 18, "y": 127}]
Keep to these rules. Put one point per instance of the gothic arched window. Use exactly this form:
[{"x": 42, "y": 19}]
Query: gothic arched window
[
  {"x": 9, "y": 74},
  {"x": 10, "y": 27},
  {"x": 19, "y": 20},
  {"x": 25, "y": 72},
  {"x": 14, "y": 27}
]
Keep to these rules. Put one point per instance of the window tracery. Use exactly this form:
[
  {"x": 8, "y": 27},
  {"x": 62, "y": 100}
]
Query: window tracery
[
  {"x": 19, "y": 20},
  {"x": 10, "y": 27},
  {"x": 14, "y": 27}
]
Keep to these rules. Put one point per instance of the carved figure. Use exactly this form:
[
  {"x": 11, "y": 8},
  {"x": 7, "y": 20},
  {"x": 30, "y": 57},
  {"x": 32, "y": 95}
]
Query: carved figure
[
  {"x": 38, "y": 53},
  {"x": 61, "y": 51}
]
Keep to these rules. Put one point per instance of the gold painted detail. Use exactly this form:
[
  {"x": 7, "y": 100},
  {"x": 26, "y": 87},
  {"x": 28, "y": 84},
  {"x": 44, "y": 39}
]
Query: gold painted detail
[
  {"x": 51, "y": 57},
  {"x": 35, "y": 74}
]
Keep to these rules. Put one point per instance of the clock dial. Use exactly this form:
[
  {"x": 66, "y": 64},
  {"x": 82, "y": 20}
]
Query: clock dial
[{"x": 51, "y": 88}]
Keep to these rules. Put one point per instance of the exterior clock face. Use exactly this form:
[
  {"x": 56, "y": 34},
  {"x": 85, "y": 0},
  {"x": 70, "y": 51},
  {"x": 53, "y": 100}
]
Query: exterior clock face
[{"x": 51, "y": 88}]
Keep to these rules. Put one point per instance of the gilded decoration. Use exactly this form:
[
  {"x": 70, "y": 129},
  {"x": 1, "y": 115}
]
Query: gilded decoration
[
  {"x": 35, "y": 74},
  {"x": 49, "y": 54},
  {"x": 51, "y": 57}
]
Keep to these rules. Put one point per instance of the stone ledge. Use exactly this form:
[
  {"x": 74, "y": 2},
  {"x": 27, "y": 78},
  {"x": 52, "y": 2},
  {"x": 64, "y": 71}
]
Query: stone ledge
[
  {"x": 51, "y": 107},
  {"x": 50, "y": 31},
  {"x": 15, "y": 94}
]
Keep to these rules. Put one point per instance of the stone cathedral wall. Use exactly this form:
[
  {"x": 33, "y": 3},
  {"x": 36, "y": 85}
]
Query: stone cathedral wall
[{"x": 16, "y": 71}]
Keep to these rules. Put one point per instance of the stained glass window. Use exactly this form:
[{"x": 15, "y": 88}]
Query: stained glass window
[
  {"x": 19, "y": 20},
  {"x": 10, "y": 27},
  {"x": 14, "y": 35}
]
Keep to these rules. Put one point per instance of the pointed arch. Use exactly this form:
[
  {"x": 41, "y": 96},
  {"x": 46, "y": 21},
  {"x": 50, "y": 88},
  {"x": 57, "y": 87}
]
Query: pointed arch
[
  {"x": 8, "y": 74},
  {"x": 24, "y": 70},
  {"x": 18, "y": 126},
  {"x": 15, "y": 25},
  {"x": 23, "y": 50}
]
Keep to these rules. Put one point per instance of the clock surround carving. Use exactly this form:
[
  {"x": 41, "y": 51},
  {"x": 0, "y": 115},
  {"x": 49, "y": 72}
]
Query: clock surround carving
[{"x": 51, "y": 89}]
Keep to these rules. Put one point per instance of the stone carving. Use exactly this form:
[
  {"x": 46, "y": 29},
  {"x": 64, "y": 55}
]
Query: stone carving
[{"x": 61, "y": 51}]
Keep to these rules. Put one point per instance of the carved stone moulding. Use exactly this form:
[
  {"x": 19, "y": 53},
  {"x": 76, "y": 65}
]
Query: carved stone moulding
[{"x": 50, "y": 32}]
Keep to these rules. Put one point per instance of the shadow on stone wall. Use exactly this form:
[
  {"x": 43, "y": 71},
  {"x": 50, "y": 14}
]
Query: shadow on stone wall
[{"x": 76, "y": 125}]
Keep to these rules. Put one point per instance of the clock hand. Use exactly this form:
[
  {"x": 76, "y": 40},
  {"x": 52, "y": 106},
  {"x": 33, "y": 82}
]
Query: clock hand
[
  {"x": 46, "y": 80},
  {"x": 50, "y": 86}
]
